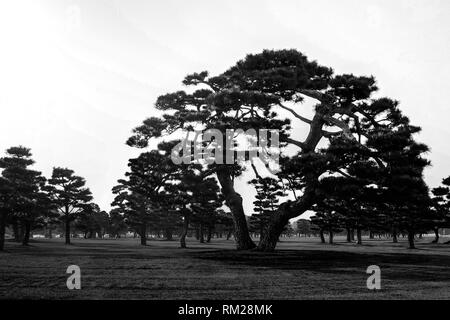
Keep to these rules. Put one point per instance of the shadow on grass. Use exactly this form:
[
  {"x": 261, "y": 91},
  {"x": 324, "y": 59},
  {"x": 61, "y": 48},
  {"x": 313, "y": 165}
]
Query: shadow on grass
[{"x": 408, "y": 266}]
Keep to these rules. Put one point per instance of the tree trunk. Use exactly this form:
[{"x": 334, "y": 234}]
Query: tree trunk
[
  {"x": 209, "y": 235},
  {"x": 168, "y": 234},
  {"x": 2, "y": 230},
  {"x": 331, "y": 236},
  {"x": 352, "y": 234},
  {"x": 358, "y": 235},
  {"x": 322, "y": 236},
  {"x": 200, "y": 233},
  {"x": 184, "y": 232},
  {"x": 271, "y": 234},
  {"x": 26, "y": 236},
  {"x": 280, "y": 219},
  {"x": 17, "y": 230},
  {"x": 234, "y": 201},
  {"x": 143, "y": 234},
  {"x": 411, "y": 240},
  {"x": 436, "y": 233},
  {"x": 197, "y": 234},
  {"x": 349, "y": 236},
  {"x": 394, "y": 236},
  {"x": 67, "y": 231}
]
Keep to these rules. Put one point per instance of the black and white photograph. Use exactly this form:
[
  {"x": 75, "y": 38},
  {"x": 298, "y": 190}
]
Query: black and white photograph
[{"x": 224, "y": 156}]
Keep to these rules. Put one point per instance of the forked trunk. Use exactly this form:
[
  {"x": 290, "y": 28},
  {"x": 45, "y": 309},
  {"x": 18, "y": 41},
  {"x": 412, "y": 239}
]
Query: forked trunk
[
  {"x": 280, "y": 219},
  {"x": 234, "y": 201},
  {"x": 272, "y": 233}
]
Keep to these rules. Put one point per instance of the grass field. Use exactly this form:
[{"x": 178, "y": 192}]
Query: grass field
[{"x": 299, "y": 269}]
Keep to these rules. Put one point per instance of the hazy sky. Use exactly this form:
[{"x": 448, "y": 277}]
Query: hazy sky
[{"x": 77, "y": 76}]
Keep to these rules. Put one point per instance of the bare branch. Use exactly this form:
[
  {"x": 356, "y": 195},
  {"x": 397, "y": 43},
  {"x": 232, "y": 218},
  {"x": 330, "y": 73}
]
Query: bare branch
[{"x": 295, "y": 113}]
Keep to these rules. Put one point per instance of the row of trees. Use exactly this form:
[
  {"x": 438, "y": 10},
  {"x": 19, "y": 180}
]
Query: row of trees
[
  {"x": 62, "y": 203},
  {"x": 29, "y": 200},
  {"x": 158, "y": 194}
]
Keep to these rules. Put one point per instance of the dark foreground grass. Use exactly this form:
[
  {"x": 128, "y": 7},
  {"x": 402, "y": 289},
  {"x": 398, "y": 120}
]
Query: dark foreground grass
[{"x": 299, "y": 269}]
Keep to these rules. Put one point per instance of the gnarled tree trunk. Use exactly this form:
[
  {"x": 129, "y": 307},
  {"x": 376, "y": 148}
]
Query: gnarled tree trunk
[
  {"x": 280, "y": 219},
  {"x": 234, "y": 201}
]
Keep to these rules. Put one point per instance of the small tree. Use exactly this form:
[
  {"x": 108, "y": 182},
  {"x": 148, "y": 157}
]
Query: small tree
[
  {"x": 70, "y": 195},
  {"x": 117, "y": 224},
  {"x": 268, "y": 193},
  {"x": 6, "y": 192},
  {"x": 142, "y": 197},
  {"x": 25, "y": 200},
  {"x": 303, "y": 227},
  {"x": 441, "y": 207}
]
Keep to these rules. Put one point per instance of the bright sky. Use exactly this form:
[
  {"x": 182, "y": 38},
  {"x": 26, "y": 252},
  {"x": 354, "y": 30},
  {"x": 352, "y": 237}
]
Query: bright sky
[{"x": 76, "y": 76}]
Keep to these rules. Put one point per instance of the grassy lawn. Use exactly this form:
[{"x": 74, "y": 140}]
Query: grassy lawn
[{"x": 299, "y": 269}]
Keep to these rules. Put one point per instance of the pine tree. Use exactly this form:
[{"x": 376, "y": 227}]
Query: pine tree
[
  {"x": 249, "y": 95},
  {"x": 70, "y": 196},
  {"x": 23, "y": 197}
]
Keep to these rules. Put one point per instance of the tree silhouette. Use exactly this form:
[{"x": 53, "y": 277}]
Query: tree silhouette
[
  {"x": 69, "y": 194},
  {"x": 249, "y": 95},
  {"x": 22, "y": 191},
  {"x": 268, "y": 192}
]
